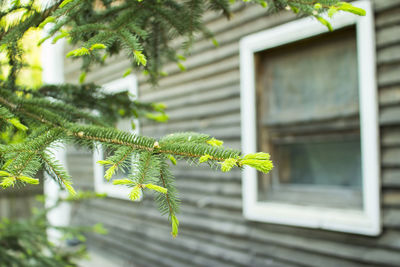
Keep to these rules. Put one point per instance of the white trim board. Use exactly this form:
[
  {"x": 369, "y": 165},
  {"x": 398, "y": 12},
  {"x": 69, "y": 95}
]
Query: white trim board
[
  {"x": 52, "y": 58},
  {"x": 117, "y": 191},
  {"x": 366, "y": 221}
]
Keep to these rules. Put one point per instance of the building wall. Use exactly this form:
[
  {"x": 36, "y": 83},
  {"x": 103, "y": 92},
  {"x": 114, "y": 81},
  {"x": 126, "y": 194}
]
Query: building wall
[
  {"x": 18, "y": 202},
  {"x": 213, "y": 231}
]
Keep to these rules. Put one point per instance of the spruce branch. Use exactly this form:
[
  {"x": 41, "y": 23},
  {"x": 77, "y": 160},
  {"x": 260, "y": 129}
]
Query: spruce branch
[
  {"x": 56, "y": 114},
  {"x": 55, "y": 169}
]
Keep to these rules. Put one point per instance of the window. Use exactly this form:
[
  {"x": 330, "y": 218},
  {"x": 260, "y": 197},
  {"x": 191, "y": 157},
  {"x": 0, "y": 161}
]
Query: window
[
  {"x": 101, "y": 185},
  {"x": 309, "y": 98}
]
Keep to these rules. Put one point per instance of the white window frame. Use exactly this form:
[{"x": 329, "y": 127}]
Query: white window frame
[
  {"x": 366, "y": 221},
  {"x": 117, "y": 191}
]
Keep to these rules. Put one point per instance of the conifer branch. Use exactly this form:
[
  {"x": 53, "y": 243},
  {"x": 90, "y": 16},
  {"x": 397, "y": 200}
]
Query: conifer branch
[
  {"x": 55, "y": 169},
  {"x": 34, "y": 20},
  {"x": 64, "y": 113}
]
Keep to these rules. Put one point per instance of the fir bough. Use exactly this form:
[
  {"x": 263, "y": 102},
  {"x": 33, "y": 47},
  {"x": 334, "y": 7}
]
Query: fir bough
[{"x": 85, "y": 115}]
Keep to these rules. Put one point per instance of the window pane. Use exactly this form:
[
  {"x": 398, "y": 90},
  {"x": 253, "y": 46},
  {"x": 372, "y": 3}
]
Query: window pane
[
  {"x": 311, "y": 80},
  {"x": 322, "y": 163},
  {"x": 309, "y": 120}
]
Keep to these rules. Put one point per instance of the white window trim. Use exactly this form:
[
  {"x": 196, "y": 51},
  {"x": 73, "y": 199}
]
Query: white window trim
[
  {"x": 117, "y": 191},
  {"x": 53, "y": 73},
  {"x": 366, "y": 221}
]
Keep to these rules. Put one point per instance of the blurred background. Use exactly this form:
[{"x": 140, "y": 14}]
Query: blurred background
[{"x": 318, "y": 207}]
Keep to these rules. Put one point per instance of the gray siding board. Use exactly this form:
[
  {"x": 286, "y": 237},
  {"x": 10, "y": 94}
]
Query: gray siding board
[
  {"x": 205, "y": 110},
  {"x": 391, "y": 198},
  {"x": 199, "y": 73},
  {"x": 234, "y": 35},
  {"x": 388, "y": 55},
  {"x": 114, "y": 69},
  {"x": 390, "y": 157},
  {"x": 390, "y": 136},
  {"x": 230, "y": 78},
  {"x": 224, "y": 202},
  {"x": 391, "y": 178},
  {"x": 167, "y": 257},
  {"x": 301, "y": 258},
  {"x": 391, "y": 218},
  {"x": 15, "y": 206},
  {"x": 228, "y": 36},
  {"x": 17, "y": 202},
  {"x": 388, "y": 36},
  {"x": 138, "y": 210},
  {"x": 197, "y": 247},
  {"x": 389, "y": 115},
  {"x": 384, "y": 5},
  {"x": 389, "y": 96},
  {"x": 258, "y": 260},
  {"x": 201, "y": 211},
  {"x": 389, "y": 74},
  {"x": 196, "y": 125},
  {"x": 224, "y": 189},
  {"x": 155, "y": 233},
  {"x": 388, "y": 18},
  {"x": 390, "y": 239},
  {"x": 130, "y": 255},
  {"x": 377, "y": 256},
  {"x": 343, "y": 251},
  {"x": 204, "y": 173},
  {"x": 215, "y": 122},
  {"x": 260, "y": 243},
  {"x": 195, "y": 98}
]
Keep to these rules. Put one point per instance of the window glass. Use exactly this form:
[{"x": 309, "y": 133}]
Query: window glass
[
  {"x": 314, "y": 79},
  {"x": 309, "y": 120},
  {"x": 323, "y": 163}
]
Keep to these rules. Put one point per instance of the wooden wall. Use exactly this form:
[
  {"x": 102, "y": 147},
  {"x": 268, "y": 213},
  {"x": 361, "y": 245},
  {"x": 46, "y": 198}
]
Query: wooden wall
[
  {"x": 18, "y": 202},
  {"x": 213, "y": 232}
]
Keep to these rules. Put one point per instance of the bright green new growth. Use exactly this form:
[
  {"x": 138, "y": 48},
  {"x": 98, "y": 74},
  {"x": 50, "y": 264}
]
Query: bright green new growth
[
  {"x": 160, "y": 117},
  {"x": 228, "y": 164},
  {"x": 97, "y": 46},
  {"x": 175, "y": 224},
  {"x": 344, "y": 6},
  {"x": 332, "y": 9},
  {"x": 8, "y": 181},
  {"x": 140, "y": 58},
  {"x": 204, "y": 158},
  {"x": 215, "y": 142},
  {"x": 260, "y": 161},
  {"x": 172, "y": 159},
  {"x": 7, "y": 116},
  {"x": 28, "y": 180},
  {"x": 156, "y": 188},
  {"x": 122, "y": 182},
  {"x": 324, "y": 22},
  {"x": 18, "y": 124},
  {"x": 136, "y": 193},
  {"x": 110, "y": 172},
  {"x": 78, "y": 52}
]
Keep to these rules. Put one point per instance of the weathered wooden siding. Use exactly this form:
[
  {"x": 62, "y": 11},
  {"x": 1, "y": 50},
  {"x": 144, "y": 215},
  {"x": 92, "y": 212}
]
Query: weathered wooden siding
[
  {"x": 18, "y": 202},
  {"x": 213, "y": 232}
]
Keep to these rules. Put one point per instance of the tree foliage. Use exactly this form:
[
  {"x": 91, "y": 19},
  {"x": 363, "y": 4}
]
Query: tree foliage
[
  {"x": 24, "y": 242},
  {"x": 84, "y": 114}
]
